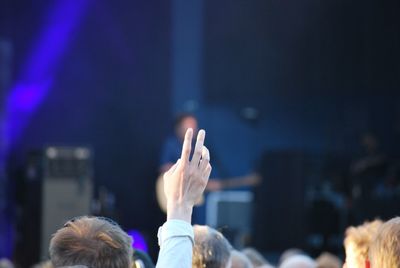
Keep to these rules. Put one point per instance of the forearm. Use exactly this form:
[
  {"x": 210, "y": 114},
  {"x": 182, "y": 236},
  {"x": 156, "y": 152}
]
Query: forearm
[
  {"x": 184, "y": 184},
  {"x": 176, "y": 244}
]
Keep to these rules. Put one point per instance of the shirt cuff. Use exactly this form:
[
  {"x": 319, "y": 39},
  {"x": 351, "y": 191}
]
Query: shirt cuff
[{"x": 175, "y": 228}]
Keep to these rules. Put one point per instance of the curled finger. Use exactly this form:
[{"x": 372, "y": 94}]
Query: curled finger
[
  {"x": 173, "y": 168},
  {"x": 207, "y": 172},
  {"x": 205, "y": 158}
]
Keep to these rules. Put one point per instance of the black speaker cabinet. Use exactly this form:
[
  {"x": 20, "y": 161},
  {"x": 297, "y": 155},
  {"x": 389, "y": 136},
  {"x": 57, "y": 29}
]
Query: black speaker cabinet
[
  {"x": 57, "y": 186},
  {"x": 279, "y": 205}
]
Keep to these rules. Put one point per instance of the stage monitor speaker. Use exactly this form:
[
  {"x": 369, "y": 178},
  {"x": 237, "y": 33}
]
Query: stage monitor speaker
[
  {"x": 232, "y": 210},
  {"x": 66, "y": 189}
]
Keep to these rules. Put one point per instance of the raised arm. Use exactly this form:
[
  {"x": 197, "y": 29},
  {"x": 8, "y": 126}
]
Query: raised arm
[{"x": 184, "y": 183}]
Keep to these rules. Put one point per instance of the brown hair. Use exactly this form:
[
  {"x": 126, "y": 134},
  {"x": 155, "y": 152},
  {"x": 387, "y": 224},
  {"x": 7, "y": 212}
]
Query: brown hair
[{"x": 93, "y": 242}]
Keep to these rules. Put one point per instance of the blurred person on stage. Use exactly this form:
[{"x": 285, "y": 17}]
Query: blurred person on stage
[{"x": 171, "y": 151}]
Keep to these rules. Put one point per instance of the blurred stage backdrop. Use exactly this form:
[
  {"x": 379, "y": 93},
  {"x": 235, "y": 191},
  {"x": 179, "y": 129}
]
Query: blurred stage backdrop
[{"x": 287, "y": 86}]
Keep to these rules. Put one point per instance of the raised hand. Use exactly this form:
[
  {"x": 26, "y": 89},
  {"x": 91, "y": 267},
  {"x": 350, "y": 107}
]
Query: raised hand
[{"x": 184, "y": 182}]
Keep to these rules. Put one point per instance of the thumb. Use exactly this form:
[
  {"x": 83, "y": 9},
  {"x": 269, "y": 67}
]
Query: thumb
[
  {"x": 176, "y": 165},
  {"x": 172, "y": 168}
]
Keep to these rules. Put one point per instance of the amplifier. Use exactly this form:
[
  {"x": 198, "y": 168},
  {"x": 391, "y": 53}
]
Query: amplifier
[{"x": 66, "y": 189}]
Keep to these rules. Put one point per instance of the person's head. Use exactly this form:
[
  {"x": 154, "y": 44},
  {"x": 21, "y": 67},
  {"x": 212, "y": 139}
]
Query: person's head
[
  {"x": 239, "y": 260},
  {"x": 328, "y": 260},
  {"x": 384, "y": 250},
  {"x": 255, "y": 257},
  {"x": 183, "y": 122},
  {"x": 6, "y": 263},
  {"x": 290, "y": 253},
  {"x": 211, "y": 249},
  {"x": 357, "y": 242},
  {"x": 43, "y": 264},
  {"x": 142, "y": 260},
  {"x": 93, "y": 242},
  {"x": 298, "y": 261}
]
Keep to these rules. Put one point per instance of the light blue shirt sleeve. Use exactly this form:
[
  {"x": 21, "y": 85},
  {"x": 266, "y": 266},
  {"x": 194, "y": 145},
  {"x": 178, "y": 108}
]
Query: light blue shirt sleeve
[{"x": 176, "y": 239}]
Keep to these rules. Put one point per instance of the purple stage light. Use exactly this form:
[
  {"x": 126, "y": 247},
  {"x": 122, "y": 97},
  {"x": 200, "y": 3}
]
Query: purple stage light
[
  {"x": 37, "y": 75},
  {"x": 53, "y": 41},
  {"x": 26, "y": 97},
  {"x": 138, "y": 240},
  {"x": 33, "y": 85}
]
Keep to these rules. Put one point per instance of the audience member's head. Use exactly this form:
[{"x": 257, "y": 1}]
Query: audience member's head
[
  {"x": 6, "y": 263},
  {"x": 384, "y": 250},
  {"x": 142, "y": 260},
  {"x": 328, "y": 260},
  {"x": 211, "y": 249},
  {"x": 298, "y": 261},
  {"x": 92, "y": 242},
  {"x": 239, "y": 260},
  {"x": 357, "y": 242},
  {"x": 255, "y": 257},
  {"x": 74, "y": 266},
  {"x": 44, "y": 264},
  {"x": 289, "y": 253}
]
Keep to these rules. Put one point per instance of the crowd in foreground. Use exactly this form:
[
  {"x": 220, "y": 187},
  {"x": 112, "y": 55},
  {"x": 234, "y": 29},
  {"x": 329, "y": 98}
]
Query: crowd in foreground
[{"x": 96, "y": 242}]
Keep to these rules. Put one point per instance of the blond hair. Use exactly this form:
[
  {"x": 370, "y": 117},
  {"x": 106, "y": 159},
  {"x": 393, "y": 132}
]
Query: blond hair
[
  {"x": 93, "y": 242},
  {"x": 211, "y": 249},
  {"x": 357, "y": 242},
  {"x": 385, "y": 249}
]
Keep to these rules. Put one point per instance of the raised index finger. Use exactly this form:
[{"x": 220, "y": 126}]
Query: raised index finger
[{"x": 187, "y": 145}]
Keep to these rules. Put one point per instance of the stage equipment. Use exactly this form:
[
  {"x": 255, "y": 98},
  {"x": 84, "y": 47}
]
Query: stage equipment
[
  {"x": 66, "y": 189},
  {"x": 231, "y": 212}
]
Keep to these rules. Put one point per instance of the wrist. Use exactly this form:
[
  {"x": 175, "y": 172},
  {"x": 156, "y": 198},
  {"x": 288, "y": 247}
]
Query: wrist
[{"x": 176, "y": 211}]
